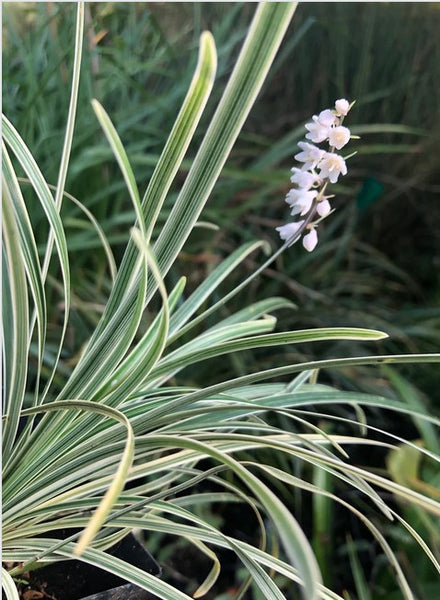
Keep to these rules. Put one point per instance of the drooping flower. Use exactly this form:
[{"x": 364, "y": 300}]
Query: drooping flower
[
  {"x": 289, "y": 230},
  {"x": 317, "y": 131},
  {"x": 319, "y": 128},
  {"x": 331, "y": 166},
  {"x": 342, "y": 107},
  {"x": 300, "y": 200},
  {"x": 310, "y": 240},
  {"x": 338, "y": 137},
  {"x": 303, "y": 179},
  {"x": 310, "y": 155},
  {"x": 327, "y": 117}
]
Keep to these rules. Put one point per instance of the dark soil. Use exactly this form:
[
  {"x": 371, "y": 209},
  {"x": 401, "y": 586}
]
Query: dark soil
[{"x": 76, "y": 580}]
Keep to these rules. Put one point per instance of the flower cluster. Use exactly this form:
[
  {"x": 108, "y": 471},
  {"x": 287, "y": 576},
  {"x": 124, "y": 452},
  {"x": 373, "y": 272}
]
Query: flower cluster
[{"x": 307, "y": 199}]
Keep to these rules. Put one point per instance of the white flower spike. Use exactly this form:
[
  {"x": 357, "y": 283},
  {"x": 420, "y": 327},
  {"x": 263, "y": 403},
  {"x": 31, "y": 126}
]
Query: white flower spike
[{"x": 320, "y": 168}]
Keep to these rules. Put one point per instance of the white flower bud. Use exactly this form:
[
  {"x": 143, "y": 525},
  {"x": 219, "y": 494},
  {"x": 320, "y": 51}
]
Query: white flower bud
[
  {"x": 323, "y": 209},
  {"x": 310, "y": 240},
  {"x": 342, "y": 107}
]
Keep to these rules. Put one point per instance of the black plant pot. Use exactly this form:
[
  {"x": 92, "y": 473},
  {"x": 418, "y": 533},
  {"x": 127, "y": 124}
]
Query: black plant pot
[
  {"x": 123, "y": 592},
  {"x": 76, "y": 580}
]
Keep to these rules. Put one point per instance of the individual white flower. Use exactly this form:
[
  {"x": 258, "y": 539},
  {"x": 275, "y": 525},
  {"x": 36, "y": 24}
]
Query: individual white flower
[
  {"x": 331, "y": 166},
  {"x": 310, "y": 240},
  {"x": 342, "y": 107},
  {"x": 338, "y": 136},
  {"x": 303, "y": 179},
  {"x": 300, "y": 200},
  {"x": 289, "y": 230},
  {"x": 317, "y": 131},
  {"x": 327, "y": 117},
  {"x": 323, "y": 208},
  {"x": 310, "y": 155}
]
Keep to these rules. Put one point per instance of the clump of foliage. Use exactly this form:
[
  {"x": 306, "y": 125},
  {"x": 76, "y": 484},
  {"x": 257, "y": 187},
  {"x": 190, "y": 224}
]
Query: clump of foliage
[{"x": 116, "y": 438}]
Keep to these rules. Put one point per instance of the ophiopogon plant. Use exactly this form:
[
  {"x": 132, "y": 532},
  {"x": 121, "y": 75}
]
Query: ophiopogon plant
[{"x": 113, "y": 443}]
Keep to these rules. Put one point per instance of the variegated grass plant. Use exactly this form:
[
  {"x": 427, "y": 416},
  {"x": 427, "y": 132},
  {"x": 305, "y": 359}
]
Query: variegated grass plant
[{"x": 121, "y": 416}]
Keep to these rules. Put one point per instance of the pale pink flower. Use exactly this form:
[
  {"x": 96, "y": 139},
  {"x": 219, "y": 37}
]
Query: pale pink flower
[
  {"x": 310, "y": 155},
  {"x": 342, "y": 107},
  {"x": 331, "y": 166},
  {"x": 339, "y": 136},
  {"x": 310, "y": 240},
  {"x": 289, "y": 230}
]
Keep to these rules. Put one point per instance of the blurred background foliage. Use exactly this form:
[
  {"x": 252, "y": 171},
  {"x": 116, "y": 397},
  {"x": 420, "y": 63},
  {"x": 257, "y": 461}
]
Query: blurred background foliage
[
  {"x": 378, "y": 260},
  {"x": 378, "y": 257}
]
